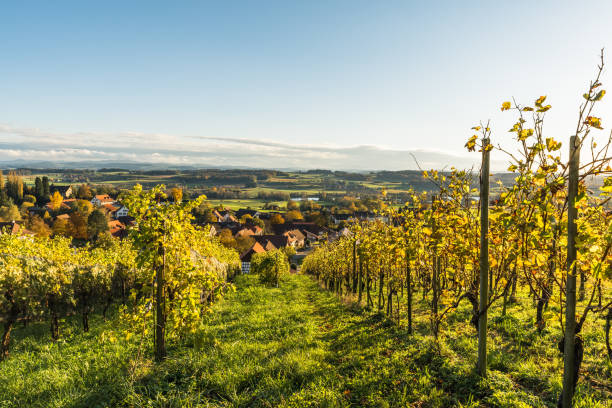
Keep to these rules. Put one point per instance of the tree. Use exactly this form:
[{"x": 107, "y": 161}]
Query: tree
[
  {"x": 83, "y": 206},
  {"x": 292, "y": 205},
  {"x": 259, "y": 222},
  {"x": 270, "y": 266},
  {"x": 38, "y": 226},
  {"x": 38, "y": 188},
  {"x": 177, "y": 194},
  {"x": 294, "y": 215},
  {"x": 246, "y": 219},
  {"x": 84, "y": 192},
  {"x": 56, "y": 201},
  {"x": 45, "y": 185},
  {"x": 244, "y": 243},
  {"x": 277, "y": 219},
  {"x": 77, "y": 228},
  {"x": 227, "y": 239},
  {"x": 97, "y": 224},
  {"x": 14, "y": 187},
  {"x": 60, "y": 227},
  {"x": 29, "y": 198},
  {"x": 10, "y": 213}
]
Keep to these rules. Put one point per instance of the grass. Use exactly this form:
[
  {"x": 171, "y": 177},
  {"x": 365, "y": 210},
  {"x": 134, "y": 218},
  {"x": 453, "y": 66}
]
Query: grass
[{"x": 299, "y": 346}]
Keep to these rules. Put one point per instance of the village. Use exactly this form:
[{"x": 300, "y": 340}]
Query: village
[{"x": 295, "y": 228}]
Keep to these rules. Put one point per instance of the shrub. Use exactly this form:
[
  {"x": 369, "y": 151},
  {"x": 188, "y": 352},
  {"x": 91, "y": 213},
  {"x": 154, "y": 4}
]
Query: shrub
[{"x": 270, "y": 266}]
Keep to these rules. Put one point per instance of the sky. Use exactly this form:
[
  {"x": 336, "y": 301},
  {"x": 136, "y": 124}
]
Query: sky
[{"x": 357, "y": 85}]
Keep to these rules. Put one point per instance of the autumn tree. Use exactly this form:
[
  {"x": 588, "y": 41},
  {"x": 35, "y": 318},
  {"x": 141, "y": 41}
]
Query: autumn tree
[
  {"x": 60, "y": 227},
  {"x": 10, "y": 213},
  {"x": 177, "y": 194},
  {"x": 84, "y": 192},
  {"x": 55, "y": 201},
  {"x": 38, "y": 226},
  {"x": 77, "y": 228},
  {"x": 97, "y": 224},
  {"x": 246, "y": 219},
  {"x": 227, "y": 238},
  {"x": 83, "y": 206},
  {"x": 14, "y": 186},
  {"x": 277, "y": 219},
  {"x": 294, "y": 215}
]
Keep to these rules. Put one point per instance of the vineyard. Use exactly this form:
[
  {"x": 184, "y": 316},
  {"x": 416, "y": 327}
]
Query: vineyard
[
  {"x": 546, "y": 239},
  {"x": 502, "y": 301},
  {"x": 162, "y": 280}
]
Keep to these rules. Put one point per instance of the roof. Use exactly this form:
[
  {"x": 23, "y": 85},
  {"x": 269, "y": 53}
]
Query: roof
[
  {"x": 116, "y": 228},
  {"x": 61, "y": 189},
  {"x": 270, "y": 246},
  {"x": 279, "y": 241},
  {"x": 296, "y": 234},
  {"x": 110, "y": 207},
  {"x": 103, "y": 197},
  {"x": 126, "y": 220},
  {"x": 11, "y": 227},
  {"x": 63, "y": 206},
  {"x": 257, "y": 248},
  {"x": 248, "y": 230},
  {"x": 304, "y": 227}
]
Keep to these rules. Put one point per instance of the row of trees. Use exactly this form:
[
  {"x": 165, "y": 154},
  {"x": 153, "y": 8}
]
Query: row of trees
[{"x": 546, "y": 233}]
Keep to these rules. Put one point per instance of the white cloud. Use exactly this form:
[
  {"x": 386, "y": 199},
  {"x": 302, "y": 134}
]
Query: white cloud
[{"x": 34, "y": 144}]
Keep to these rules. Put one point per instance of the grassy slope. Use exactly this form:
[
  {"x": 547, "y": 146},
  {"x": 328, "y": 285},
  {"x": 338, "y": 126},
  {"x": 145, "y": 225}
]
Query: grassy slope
[{"x": 294, "y": 346}]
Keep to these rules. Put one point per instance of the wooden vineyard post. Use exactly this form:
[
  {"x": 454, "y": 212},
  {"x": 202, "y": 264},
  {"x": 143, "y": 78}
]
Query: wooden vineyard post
[
  {"x": 569, "y": 350},
  {"x": 160, "y": 318},
  {"x": 484, "y": 260}
]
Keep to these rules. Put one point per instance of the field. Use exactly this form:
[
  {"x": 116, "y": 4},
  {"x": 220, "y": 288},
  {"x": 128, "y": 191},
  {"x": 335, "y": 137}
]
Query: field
[{"x": 299, "y": 346}]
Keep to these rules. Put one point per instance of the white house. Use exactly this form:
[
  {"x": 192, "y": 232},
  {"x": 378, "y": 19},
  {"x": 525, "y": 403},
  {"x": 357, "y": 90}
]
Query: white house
[
  {"x": 122, "y": 212},
  {"x": 101, "y": 199}
]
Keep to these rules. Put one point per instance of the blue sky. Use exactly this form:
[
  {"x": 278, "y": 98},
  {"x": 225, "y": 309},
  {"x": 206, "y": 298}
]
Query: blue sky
[{"x": 334, "y": 84}]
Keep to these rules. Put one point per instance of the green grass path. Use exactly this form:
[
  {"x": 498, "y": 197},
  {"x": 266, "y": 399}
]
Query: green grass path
[{"x": 293, "y": 346}]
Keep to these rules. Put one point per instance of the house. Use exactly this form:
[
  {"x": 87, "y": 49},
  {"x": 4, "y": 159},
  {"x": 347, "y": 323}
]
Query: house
[
  {"x": 269, "y": 246},
  {"x": 311, "y": 230},
  {"x": 246, "y": 211},
  {"x": 122, "y": 212},
  {"x": 338, "y": 218},
  {"x": 110, "y": 210},
  {"x": 213, "y": 230},
  {"x": 248, "y": 230},
  {"x": 297, "y": 238},
  {"x": 65, "y": 191},
  {"x": 245, "y": 258},
  {"x": 11, "y": 228},
  {"x": 224, "y": 217},
  {"x": 117, "y": 229},
  {"x": 279, "y": 241},
  {"x": 101, "y": 199}
]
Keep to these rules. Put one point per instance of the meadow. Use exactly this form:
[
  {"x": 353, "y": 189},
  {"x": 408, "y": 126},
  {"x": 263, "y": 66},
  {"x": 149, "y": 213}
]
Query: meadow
[{"x": 301, "y": 346}]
